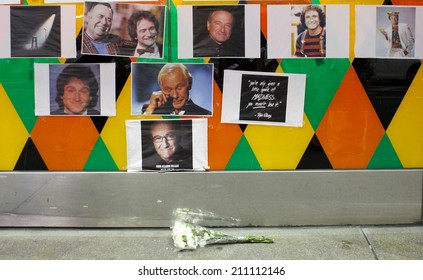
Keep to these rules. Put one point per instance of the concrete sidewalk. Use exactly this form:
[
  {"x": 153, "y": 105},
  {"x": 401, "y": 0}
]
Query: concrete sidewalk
[{"x": 291, "y": 243}]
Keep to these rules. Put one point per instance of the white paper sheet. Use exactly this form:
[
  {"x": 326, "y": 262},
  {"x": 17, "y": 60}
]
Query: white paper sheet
[{"x": 5, "y": 32}]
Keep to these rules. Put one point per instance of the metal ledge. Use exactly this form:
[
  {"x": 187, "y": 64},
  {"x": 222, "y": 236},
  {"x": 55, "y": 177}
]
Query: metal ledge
[{"x": 265, "y": 198}]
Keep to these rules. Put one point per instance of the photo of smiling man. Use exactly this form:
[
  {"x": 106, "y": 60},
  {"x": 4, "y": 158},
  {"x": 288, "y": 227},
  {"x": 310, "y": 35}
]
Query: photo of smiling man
[
  {"x": 143, "y": 28},
  {"x": 311, "y": 30},
  {"x": 77, "y": 90},
  {"x": 96, "y": 37},
  {"x": 121, "y": 29},
  {"x": 219, "y": 31},
  {"x": 167, "y": 144}
]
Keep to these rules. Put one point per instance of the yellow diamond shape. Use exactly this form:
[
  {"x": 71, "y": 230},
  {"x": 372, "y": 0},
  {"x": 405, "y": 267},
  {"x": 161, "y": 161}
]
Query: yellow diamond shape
[
  {"x": 278, "y": 147},
  {"x": 13, "y": 134},
  {"x": 406, "y": 130},
  {"x": 279, "y": 69}
]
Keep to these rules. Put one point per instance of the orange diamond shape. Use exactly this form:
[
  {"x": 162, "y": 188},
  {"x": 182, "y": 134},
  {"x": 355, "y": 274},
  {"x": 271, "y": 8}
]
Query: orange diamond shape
[
  {"x": 350, "y": 131},
  {"x": 64, "y": 143}
]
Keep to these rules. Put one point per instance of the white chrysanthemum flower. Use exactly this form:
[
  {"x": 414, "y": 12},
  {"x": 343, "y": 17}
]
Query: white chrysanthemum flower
[{"x": 183, "y": 237}]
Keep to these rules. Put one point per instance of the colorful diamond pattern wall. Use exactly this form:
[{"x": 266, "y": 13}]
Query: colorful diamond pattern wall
[{"x": 345, "y": 126}]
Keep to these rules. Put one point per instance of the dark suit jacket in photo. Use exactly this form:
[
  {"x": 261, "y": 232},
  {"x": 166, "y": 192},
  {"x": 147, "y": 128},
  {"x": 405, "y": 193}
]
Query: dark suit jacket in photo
[{"x": 209, "y": 48}]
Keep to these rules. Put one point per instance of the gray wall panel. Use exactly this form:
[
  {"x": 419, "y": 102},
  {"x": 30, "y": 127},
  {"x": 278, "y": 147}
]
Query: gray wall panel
[{"x": 120, "y": 199}]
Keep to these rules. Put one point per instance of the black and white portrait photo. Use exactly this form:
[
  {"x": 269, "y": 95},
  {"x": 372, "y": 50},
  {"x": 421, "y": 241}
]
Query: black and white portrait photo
[{"x": 166, "y": 144}]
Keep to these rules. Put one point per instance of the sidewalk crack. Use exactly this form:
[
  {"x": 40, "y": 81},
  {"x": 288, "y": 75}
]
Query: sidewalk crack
[{"x": 369, "y": 243}]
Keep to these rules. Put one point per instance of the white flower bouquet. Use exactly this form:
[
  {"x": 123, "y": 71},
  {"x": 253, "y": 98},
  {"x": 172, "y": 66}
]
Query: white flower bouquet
[{"x": 189, "y": 236}]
